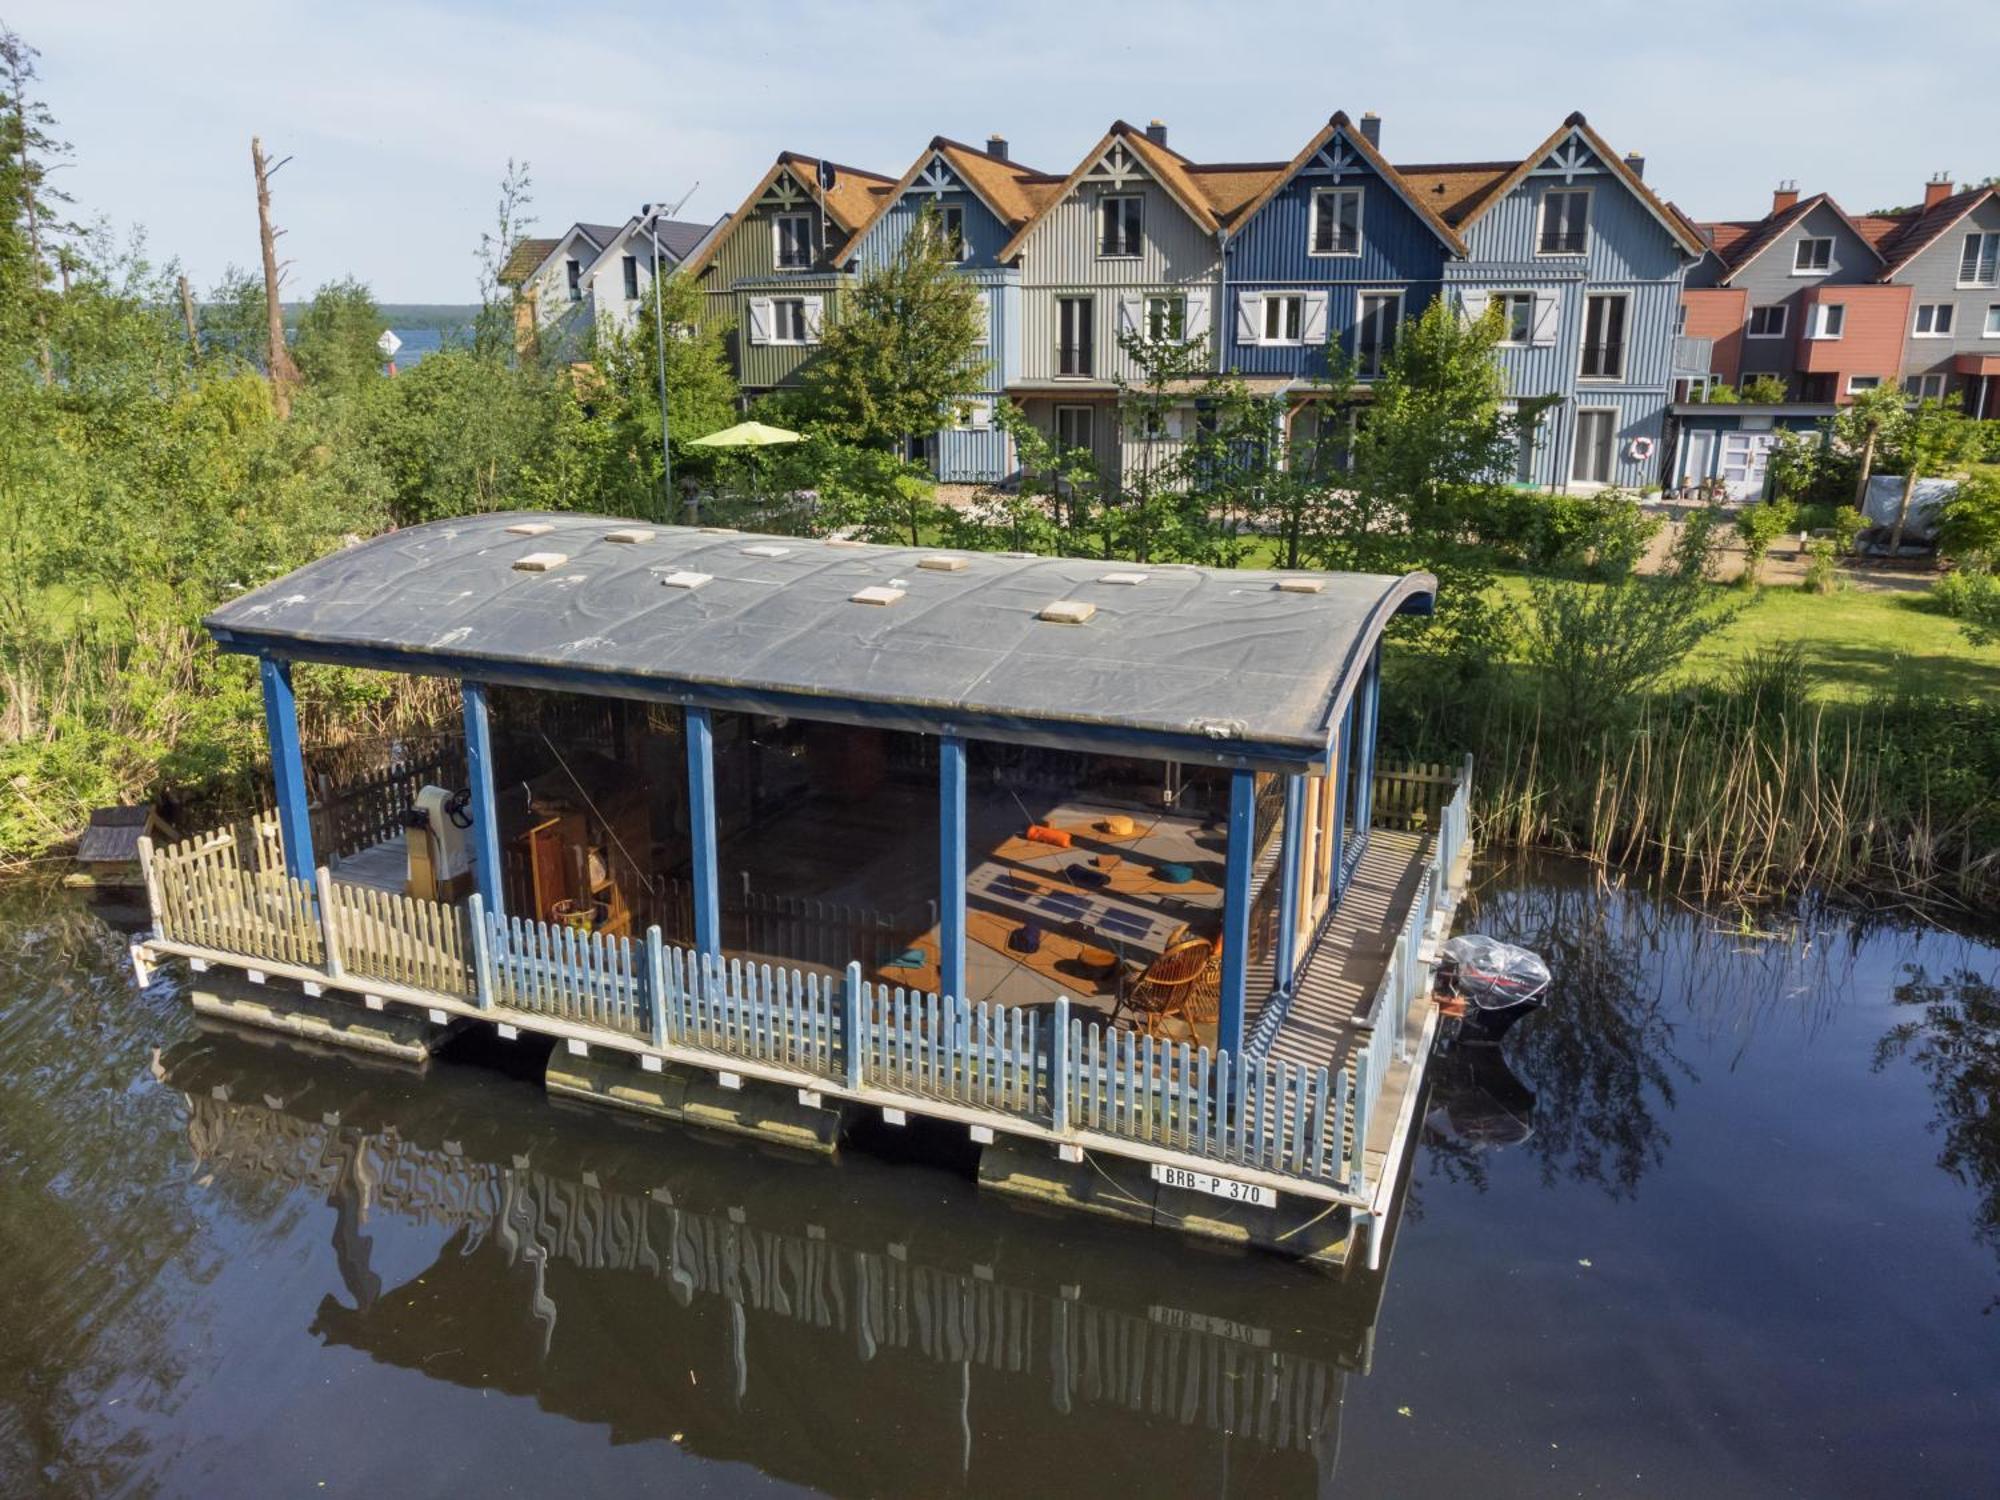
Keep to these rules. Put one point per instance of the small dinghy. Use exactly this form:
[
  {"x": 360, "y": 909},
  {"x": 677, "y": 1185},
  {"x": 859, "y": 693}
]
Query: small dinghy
[{"x": 1496, "y": 984}]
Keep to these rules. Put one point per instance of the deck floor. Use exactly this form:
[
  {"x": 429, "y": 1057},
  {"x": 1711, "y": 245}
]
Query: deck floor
[{"x": 379, "y": 867}]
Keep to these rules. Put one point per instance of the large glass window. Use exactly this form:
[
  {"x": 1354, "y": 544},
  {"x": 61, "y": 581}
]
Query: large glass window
[
  {"x": 1596, "y": 428},
  {"x": 1565, "y": 221},
  {"x": 1375, "y": 331},
  {"x": 1075, "y": 336},
  {"x": 1603, "y": 338},
  {"x": 1336, "y": 221},
  {"x": 1119, "y": 221},
  {"x": 794, "y": 241}
]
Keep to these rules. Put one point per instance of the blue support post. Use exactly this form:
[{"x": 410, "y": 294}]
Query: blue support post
[
  {"x": 1343, "y": 753},
  {"x": 288, "y": 769},
  {"x": 1288, "y": 874},
  {"x": 479, "y": 780},
  {"x": 701, "y": 824},
  {"x": 951, "y": 866},
  {"x": 1237, "y": 864},
  {"x": 1371, "y": 718}
]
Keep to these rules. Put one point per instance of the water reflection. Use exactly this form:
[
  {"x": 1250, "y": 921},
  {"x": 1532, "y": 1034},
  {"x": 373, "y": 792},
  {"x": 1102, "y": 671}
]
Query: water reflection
[
  {"x": 1955, "y": 1041},
  {"x": 665, "y": 1287}
]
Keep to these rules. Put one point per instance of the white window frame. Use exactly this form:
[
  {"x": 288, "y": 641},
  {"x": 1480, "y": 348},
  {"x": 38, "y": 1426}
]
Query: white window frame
[
  {"x": 1087, "y": 328},
  {"x": 1624, "y": 339},
  {"x": 1784, "y": 321},
  {"x": 1395, "y": 294},
  {"x": 951, "y": 224},
  {"x": 573, "y": 278},
  {"x": 778, "y": 221},
  {"x": 778, "y": 306},
  {"x": 1990, "y": 329},
  {"x": 1102, "y": 203},
  {"x": 628, "y": 270},
  {"x": 1799, "y": 249},
  {"x": 1313, "y": 219},
  {"x": 1874, "y": 383},
  {"x": 1169, "y": 302},
  {"x": 1610, "y": 447},
  {"x": 1542, "y": 222},
  {"x": 1507, "y": 301},
  {"x": 1930, "y": 387},
  {"x": 1964, "y": 245},
  {"x": 1817, "y": 318},
  {"x": 1270, "y": 303},
  {"x": 1917, "y": 329}
]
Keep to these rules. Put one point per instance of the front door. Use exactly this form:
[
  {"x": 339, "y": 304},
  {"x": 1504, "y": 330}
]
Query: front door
[
  {"x": 1745, "y": 458},
  {"x": 1697, "y": 456}
]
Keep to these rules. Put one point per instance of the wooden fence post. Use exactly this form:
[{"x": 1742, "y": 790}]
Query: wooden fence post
[
  {"x": 329, "y": 932},
  {"x": 150, "y": 873},
  {"x": 1059, "y": 1067},
  {"x": 851, "y": 1024},
  {"x": 656, "y": 984},
  {"x": 482, "y": 952}
]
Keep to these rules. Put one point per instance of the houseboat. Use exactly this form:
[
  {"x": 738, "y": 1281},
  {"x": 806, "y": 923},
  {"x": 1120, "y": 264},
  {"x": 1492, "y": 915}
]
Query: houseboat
[{"x": 1091, "y": 861}]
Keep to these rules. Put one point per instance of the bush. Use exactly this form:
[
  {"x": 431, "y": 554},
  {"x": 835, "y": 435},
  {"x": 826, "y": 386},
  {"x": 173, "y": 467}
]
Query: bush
[
  {"x": 1823, "y": 571},
  {"x": 1764, "y": 390},
  {"x": 1969, "y": 524},
  {"x": 1598, "y": 535},
  {"x": 1759, "y": 526}
]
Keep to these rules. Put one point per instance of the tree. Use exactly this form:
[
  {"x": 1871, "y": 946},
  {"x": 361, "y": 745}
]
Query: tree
[
  {"x": 336, "y": 344},
  {"x": 1933, "y": 440},
  {"x": 28, "y": 152},
  {"x": 903, "y": 355},
  {"x": 496, "y": 330},
  {"x": 278, "y": 356},
  {"x": 1863, "y": 426},
  {"x": 1969, "y": 523}
]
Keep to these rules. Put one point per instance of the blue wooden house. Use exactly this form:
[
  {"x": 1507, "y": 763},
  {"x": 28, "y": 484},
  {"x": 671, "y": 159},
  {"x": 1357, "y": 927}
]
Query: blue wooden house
[
  {"x": 980, "y": 199},
  {"x": 765, "y": 831}
]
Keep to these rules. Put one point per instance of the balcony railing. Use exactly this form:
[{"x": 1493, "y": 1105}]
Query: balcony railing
[
  {"x": 1057, "y": 1076},
  {"x": 1693, "y": 356}
]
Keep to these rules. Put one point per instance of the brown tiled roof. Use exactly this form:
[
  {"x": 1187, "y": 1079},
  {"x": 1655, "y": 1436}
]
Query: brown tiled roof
[
  {"x": 524, "y": 258},
  {"x": 1924, "y": 226},
  {"x": 1878, "y": 229},
  {"x": 1761, "y": 234},
  {"x": 1727, "y": 236},
  {"x": 1231, "y": 187},
  {"x": 1455, "y": 190}
]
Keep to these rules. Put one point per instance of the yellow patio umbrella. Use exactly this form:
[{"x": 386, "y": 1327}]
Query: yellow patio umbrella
[{"x": 749, "y": 435}]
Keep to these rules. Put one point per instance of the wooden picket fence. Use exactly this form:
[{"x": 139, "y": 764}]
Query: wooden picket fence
[
  {"x": 944, "y": 1048},
  {"x": 202, "y": 896},
  {"x": 779, "y": 1016},
  {"x": 426, "y": 945},
  {"x": 864, "y": 1040},
  {"x": 1411, "y": 798}
]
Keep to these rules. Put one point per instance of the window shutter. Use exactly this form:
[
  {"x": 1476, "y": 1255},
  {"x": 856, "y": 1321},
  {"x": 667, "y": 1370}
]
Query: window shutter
[
  {"x": 1312, "y": 327},
  {"x": 1249, "y": 312},
  {"x": 1131, "y": 316},
  {"x": 981, "y": 414},
  {"x": 1473, "y": 304},
  {"x": 1195, "y": 325},
  {"x": 815, "y": 310},
  {"x": 760, "y": 320},
  {"x": 1548, "y": 311},
  {"x": 985, "y": 319}
]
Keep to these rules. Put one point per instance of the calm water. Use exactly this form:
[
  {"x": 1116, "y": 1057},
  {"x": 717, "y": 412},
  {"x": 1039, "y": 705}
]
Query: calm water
[{"x": 1730, "y": 1226}]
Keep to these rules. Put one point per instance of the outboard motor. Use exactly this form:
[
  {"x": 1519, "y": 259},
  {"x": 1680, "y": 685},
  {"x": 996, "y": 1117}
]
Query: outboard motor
[
  {"x": 440, "y": 853},
  {"x": 1495, "y": 984}
]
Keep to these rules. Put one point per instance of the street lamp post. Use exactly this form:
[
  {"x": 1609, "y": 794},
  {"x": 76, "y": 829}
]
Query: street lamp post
[{"x": 653, "y": 211}]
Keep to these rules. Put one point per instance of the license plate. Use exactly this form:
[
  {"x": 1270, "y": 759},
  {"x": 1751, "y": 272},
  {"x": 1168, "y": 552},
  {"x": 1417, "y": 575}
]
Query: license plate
[{"x": 1217, "y": 1187}]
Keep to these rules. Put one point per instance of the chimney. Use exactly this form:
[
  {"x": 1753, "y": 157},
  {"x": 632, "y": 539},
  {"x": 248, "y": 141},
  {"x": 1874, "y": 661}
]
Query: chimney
[
  {"x": 1635, "y": 163},
  {"x": 1785, "y": 197},
  {"x": 1157, "y": 132},
  {"x": 1371, "y": 128},
  {"x": 996, "y": 145},
  {"x": 1937, "y": 190}
]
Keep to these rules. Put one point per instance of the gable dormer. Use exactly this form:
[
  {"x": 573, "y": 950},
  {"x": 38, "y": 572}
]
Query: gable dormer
[
  {"x": 1337, "y": 211},
  {"x": 1573, "y": 202},
  {"x": 1131, "y": 210},
  {"x": 801, "y": 210},
  {"x": 942, "y": 181}
]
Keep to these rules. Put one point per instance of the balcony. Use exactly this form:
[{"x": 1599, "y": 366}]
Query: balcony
[{"x": 1693, "y": 356}]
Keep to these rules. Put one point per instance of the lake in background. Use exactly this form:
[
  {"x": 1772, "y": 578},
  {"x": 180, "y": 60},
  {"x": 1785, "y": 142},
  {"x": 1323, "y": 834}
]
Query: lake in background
[{"x": 1723, "y": 1220}]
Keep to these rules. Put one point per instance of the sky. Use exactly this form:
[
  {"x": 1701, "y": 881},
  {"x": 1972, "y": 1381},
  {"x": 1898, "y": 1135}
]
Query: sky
[{"x": 400, "y": 118}]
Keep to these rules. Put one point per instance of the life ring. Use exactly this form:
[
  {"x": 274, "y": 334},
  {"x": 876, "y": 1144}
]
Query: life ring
[{"x": 1642, "y": 447}]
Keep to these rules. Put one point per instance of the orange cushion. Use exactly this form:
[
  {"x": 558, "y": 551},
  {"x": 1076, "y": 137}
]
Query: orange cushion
[{"x": 1041, "y": 833}]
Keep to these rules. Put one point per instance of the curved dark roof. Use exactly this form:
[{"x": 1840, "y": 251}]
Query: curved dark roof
[{"x": 1216, "y": 664}]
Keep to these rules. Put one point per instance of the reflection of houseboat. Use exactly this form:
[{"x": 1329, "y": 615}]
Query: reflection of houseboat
[
  {"x": 664, "y": 1287},
  {"x": 1082, "y": 857}
]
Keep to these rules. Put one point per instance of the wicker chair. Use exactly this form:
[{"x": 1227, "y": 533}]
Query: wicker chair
[{"x": 1183, "y": 984}]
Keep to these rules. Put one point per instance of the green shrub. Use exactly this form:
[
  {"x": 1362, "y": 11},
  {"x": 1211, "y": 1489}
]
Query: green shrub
[
  {"x": 1759, "y": 526},
  {"x": 1822, "y": 569}
]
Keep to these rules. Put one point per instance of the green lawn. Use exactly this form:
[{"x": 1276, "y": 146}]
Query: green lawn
[{"x": 1857, "y": 641}]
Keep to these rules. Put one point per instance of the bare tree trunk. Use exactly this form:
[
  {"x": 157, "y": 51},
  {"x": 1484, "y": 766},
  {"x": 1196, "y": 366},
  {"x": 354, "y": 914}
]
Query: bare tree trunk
[
  {"x": 284, "y": 374},
  {"x": 1903, "y": 512},
  {"x": 1867, "y": 471},
  {"x": 187, "y": 317}
]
